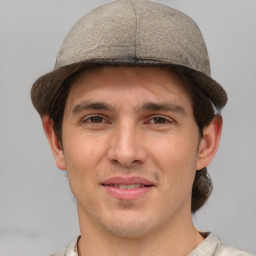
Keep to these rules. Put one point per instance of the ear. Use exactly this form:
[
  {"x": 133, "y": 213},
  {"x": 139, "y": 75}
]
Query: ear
[
  {"x": 209, "y": 143},
  {"x": 54, "y": 142}
]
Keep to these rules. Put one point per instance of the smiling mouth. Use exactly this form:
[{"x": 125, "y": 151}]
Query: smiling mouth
[{"x": 127, "y": 186}]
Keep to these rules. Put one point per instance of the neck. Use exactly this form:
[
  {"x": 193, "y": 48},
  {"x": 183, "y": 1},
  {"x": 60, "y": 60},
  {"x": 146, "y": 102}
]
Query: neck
[{"x": 177, "y": 239}]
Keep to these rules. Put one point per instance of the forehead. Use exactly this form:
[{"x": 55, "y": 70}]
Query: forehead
[
  {"x": 153, "y": 76},
  {"x": 143, "y": 83}
]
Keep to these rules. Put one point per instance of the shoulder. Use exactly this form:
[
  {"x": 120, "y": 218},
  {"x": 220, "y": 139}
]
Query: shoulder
[
  {"x": 59, "y": 253},
  {"x": 213, "y": 246},
  {"x": 71, "y": 250},
  {"x": 224, "y": 249}
]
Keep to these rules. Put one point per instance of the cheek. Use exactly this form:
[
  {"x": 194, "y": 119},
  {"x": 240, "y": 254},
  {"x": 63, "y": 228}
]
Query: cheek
[
  {"x": 176, "y": 158},
  {"x": 83, "y": 149},
  {"x": 82, "y": 157}
]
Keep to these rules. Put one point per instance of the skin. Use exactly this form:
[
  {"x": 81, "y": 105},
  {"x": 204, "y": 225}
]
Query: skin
[{"x": 123, "y": 136}]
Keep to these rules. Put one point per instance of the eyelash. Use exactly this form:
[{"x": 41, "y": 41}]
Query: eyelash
[
  {"x": 89, "y": 119},
  {"x": 162, "y": 120},
  {"x": 157, "y": 120}
]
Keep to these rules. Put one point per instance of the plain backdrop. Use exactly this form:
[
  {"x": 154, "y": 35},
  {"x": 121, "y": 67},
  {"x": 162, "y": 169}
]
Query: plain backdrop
[{"x": 37, "y": 210}]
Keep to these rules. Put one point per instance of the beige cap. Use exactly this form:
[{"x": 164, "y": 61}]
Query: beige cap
[{"x": 131, "y": 32}]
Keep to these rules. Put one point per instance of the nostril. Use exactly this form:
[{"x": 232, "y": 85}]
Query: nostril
[{"x": 125, "y": 151}]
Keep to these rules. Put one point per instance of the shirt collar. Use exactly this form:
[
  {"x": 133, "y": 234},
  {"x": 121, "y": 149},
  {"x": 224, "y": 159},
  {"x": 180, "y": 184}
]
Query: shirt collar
[
  {"x": 72, "y": 249},
  {"x": 206, "y": 248}
]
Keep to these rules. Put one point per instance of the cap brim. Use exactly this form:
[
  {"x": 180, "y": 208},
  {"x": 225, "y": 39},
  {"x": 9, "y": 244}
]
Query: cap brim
[{"x": 46, "y": 87}]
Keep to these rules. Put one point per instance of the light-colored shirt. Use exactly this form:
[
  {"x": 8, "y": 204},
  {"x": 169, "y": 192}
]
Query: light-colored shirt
[{"x": 211, "y": 246}]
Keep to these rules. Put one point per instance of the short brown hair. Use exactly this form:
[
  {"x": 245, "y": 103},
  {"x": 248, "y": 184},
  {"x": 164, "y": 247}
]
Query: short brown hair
[{"x": 203, "y": 113}]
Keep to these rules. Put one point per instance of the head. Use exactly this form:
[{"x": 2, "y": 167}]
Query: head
[
  {"x": 138, "y": 124},
  {"x": 203, "y": 113},
  {"x": 142, "y": 57}
]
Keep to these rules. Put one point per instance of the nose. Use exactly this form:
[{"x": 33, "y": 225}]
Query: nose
[{"x": 126, "y": 147}]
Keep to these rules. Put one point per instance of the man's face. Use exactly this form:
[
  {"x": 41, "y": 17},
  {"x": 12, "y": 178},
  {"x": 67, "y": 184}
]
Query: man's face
[{"x": 130, "y": 146}]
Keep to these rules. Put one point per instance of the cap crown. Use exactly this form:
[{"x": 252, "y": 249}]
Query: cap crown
[{"x": 130, "y": 30}]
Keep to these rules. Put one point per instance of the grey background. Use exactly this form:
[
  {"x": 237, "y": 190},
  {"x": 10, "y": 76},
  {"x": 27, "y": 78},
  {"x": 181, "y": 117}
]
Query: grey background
[{"x": 37, "y": 210}]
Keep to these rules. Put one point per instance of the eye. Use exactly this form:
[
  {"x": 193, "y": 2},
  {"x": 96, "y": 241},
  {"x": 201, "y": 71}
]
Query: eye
[
  {"x": 159, "y": 120},
  {"x": 94, "y": 120}
]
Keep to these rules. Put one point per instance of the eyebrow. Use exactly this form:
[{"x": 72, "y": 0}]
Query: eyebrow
[
  {"x": 149, "y": 106},
  {"x": 92, "y": 106}
]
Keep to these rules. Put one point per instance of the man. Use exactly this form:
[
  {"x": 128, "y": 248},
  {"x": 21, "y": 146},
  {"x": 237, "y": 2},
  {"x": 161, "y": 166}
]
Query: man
[{"x": 132, "y": 114}]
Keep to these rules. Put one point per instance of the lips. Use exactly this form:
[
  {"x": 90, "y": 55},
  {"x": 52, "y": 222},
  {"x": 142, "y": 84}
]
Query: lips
[
  {"x": 127, "y": 188},
  {"x": 127, "y": 181}
]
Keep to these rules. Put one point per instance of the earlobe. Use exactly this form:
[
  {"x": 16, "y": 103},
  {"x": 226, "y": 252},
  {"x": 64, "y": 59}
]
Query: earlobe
[
  {"x": 54, "y": 142},
  {"x": 209, "y": 143}
]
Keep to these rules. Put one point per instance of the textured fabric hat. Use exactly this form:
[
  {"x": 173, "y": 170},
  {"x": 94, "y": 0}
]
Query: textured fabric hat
[{"x": 131, "y": 32}]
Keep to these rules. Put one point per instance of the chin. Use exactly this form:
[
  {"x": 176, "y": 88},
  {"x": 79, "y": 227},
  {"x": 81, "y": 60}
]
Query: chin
[
  {"x": 134, "y": 231},
  {"x": 130, "y": 225}
]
